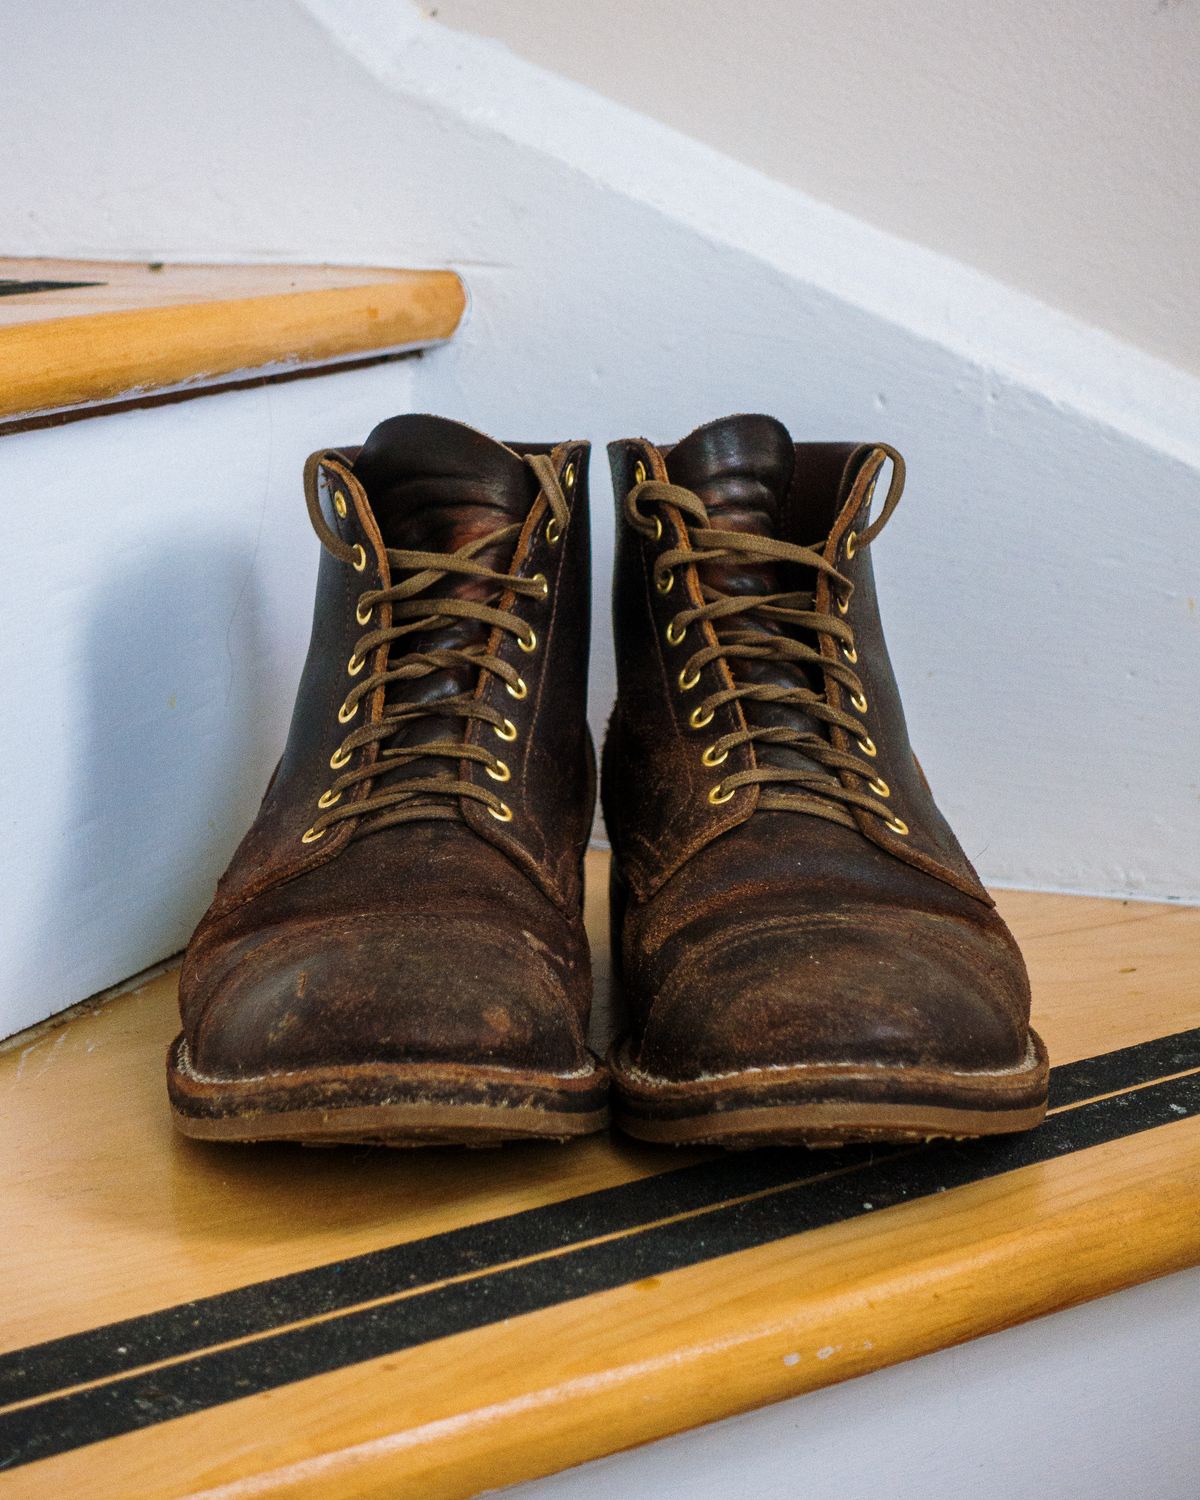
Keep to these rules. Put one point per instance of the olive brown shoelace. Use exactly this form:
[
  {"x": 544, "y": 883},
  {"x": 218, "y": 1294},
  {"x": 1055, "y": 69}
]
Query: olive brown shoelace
[
  {"x": 417, "y": 609},
  {"x": 769, "y": 627}
]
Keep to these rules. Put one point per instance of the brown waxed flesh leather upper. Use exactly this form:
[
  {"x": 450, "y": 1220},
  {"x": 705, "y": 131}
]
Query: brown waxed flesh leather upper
[
  {"x": 748, "y": 934},
  {"x": 449, "y": 935}
]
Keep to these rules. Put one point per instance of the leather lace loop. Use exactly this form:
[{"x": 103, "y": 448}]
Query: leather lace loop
[
  {"x": 417, "y": 608},
  {"x": 770, "y": 628},
  {"x": 876, "y": 455}
]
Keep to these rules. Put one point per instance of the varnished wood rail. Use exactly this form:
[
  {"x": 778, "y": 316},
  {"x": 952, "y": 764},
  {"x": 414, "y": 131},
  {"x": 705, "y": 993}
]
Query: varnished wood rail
[{"x": 82, "y": 333}]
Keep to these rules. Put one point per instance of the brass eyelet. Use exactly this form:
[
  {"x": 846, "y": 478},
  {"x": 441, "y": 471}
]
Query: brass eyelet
[
  {"x": 675, "y": 636},
  {"x": 880, "y": 787},
  {"x": 527, "y": 643},
  {"x": 339, "y": 758},
  {"x": 329, "y": 798},
  {"x": 504, "y": 815},
  {"x": 311, "y": 835},
  {"x": 639, "y": 472},
  {"x": 851, "y": 543},
  {"x": 347, "y": 712},
  {"x": 518, "y": 692},
  {"x": 568, "y": 476},
  {"x": 850, "y": 654},
  {"x": 506, "y": 732},
  {"x": 360, "y": 558},
  {"x": 843, "y": 606},
  {"x": 897, "y": 825},
  {"x": 859, "y": 701},
  {"x": 363, "y": 617},
  {"x": 710, "y": 759},
  {"x": 867, "y": 746},
  {"x": 716, "y": 796},
  {"x": 355, "y": 665},
  {"x": 500, "y": 772},
  {"x": 688, "y": 683},
  {"x": 541, "y": 578},
  {"x": 698, "y": 718},
  {"x": 666, "y": 582},
  {"x": 339, "y": 503},
  {"x": 553, "y": 532},
  {"x": 657, "y": 537}
]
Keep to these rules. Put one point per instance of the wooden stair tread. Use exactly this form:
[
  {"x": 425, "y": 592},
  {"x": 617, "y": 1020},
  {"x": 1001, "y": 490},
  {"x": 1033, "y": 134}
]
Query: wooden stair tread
[
  {"x": 82, "y": 333},
  {"x": 644, "y": 1292}
]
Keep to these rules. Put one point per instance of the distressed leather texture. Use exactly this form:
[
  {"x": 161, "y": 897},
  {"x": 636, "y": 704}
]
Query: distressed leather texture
[
  {"x": 752, "y": 937},
  {"x": 451, "y": 937}
]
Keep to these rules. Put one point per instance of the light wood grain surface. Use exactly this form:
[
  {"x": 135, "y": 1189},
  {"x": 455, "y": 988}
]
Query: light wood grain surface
[
  {"x": 107, "y": 1215},
  {"x": 141, "y": 329}
]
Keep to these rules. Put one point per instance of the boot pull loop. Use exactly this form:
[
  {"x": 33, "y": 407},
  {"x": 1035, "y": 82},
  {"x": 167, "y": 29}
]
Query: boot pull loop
[
  {"x": 879, "y": 453},
  {"x": 543, "y": 467},
  {"x": 312, "y": 497}
]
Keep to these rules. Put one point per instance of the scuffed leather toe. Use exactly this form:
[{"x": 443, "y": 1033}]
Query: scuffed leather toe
[
  {"x": 462, "y": 990},
  {"x": 888, "y": 988}
]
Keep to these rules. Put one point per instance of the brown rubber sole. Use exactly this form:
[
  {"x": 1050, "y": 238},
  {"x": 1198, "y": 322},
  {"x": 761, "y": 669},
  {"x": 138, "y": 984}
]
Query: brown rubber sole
[
  {"x": 829, "y": 1104},
  {"x": 410, "y": 1104}
]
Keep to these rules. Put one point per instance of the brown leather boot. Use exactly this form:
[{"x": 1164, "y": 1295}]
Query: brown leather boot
[
  {"x": 397, "y": 951},
  {"x": 806, "y": 953}
]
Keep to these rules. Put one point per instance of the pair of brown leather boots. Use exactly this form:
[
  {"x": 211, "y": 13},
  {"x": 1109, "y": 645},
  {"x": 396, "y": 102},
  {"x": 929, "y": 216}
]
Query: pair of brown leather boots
[{"x": 802, "y": 950}]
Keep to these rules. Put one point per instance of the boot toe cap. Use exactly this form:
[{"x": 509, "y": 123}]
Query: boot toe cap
[
  {"x": 888, "y": 988},
  {"x": 438, "y": 991}
]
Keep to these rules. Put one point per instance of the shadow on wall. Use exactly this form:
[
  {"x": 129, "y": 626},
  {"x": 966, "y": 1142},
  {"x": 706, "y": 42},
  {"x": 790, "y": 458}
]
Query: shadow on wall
[{"x": 170, "y": 757}]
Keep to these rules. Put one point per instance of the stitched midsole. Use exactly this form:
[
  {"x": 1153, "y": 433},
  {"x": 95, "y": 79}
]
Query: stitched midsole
[{"x": 1031, "y": 1064}]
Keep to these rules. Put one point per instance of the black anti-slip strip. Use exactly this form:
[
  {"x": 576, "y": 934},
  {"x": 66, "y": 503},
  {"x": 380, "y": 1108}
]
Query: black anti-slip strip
[
  {"x": 24, "y": 288},
  {"x": 115, "y": 1348},
  {"x": 1125, "y": 1068},
  {"x": 223, "y": 1375},
  {"x": 189, "y": 1327}
]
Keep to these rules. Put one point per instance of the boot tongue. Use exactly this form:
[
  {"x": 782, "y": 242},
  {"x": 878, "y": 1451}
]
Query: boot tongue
[
  {"x": 742, "y": 468},
  {"x": 433, "y": 486}
]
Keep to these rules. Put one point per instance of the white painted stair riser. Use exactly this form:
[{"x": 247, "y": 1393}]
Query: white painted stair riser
[{"x": 159, "y": 588}]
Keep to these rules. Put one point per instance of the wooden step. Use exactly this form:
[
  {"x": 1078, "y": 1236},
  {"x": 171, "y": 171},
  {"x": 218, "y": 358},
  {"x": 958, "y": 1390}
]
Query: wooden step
[
  {"x": 230, "y": 1321},
  {"x": 81, "y": 333}
]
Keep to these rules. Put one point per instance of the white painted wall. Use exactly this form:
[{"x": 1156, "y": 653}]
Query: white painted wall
[
  {"x": 1051, "y": 146},
  {"x": 1097, "y": 1403},
  {"x": 1039, "y": 581}
]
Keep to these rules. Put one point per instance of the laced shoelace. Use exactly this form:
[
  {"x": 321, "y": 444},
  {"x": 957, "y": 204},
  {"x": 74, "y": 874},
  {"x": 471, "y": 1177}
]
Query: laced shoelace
[
  {"x": 414, "y": 608},
  {"x": 739, "y": 622}
]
